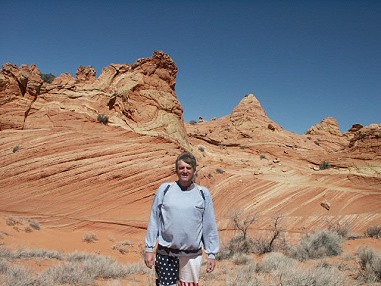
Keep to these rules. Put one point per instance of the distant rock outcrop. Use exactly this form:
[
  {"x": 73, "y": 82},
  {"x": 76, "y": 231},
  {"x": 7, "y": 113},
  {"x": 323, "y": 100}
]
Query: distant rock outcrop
[
  {"x": 328, "y": 126},
  {"x": 244, "y": 124},
  {"x": 139, "y": 97},
  {"x": 367, "y": 140}
]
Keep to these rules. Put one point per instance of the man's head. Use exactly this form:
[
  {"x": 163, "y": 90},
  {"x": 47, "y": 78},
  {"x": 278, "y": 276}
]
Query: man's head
[
  {"x": 187, "y": 158},
  {"x": 185, "y": 168}
]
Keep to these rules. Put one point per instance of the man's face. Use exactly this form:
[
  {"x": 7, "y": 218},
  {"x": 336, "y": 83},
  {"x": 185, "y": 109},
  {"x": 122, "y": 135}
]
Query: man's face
[{"x": 185, "y": 172}]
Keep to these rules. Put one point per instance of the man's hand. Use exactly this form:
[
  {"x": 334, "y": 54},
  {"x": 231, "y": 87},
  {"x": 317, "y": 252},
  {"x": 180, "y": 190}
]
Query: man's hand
[
  {"x": 210, "y": 265},
  {"x": 149, "y": 259}
]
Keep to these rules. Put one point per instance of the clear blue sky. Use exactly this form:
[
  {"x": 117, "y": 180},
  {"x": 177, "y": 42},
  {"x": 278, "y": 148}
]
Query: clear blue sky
[{"x": 304, "y": 60}]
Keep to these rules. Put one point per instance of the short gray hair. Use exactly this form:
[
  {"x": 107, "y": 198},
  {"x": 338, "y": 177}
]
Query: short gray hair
[{"x": 188, "y": 158}]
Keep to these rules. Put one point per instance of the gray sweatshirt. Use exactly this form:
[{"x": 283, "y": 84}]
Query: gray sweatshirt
[{"x": 183, "y": 221}]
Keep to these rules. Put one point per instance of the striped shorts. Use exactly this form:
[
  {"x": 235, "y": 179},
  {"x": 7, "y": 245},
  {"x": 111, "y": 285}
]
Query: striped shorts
[{"x": 184, "y": 270}]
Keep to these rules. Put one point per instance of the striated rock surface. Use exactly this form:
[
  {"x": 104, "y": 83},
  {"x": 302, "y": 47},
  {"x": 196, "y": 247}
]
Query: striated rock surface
[
  {"x": 138, "y": 97},
  {"x": 62, "y": 166}
]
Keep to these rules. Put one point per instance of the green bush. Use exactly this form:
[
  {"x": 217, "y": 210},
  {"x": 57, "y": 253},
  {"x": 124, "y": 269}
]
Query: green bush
[
  {"x": 47, "y": 77},
  {"x": 102, "y": 118},
  {"x": 324, "y": 165}
]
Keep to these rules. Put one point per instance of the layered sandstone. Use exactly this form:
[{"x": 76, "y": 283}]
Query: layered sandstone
[{"x": 62, "y": 166}]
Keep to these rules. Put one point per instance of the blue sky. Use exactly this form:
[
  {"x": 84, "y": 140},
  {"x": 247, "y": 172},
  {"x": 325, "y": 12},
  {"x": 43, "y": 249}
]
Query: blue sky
[{"x": 304, "y": 60}]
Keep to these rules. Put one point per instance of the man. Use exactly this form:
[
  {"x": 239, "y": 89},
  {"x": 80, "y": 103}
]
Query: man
[{"x": 182, "y": 222}]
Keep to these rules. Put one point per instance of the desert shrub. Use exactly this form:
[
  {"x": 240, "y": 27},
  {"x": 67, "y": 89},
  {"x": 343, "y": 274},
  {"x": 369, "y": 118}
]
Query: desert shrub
[
  {"x": 318, "y": 276},
  {"x": 370, "y": 265},
  {"x": 16, "y": 148},
  {"x": 102, "y": 118},
  {"x": 324, "y": 165},
  {"x": 276, "y": 261},
  {"x": 102, "y": 266},
  {"x": 13, "y": 220},
  {"x": 121, "y": 246},
  {"x": 241, "y": 259},
  {"x": 3, "y": 266},
  {"x": 268, "y": 242},
  {"x": 34, "y": 224},
  {"x": 90, "y": 238},
  {"x": 341, "y": 229},
  {"x": 35, "y": 253},
  {"x": 16, "y": 275},
  {"x": 242, "y": 222},
  {"x": 67, "y": 274},
  {"x": 237, "y": 246},
  {"x": 261, "y": 245},
  {"x": 284, "y": 270},
  {"x": 240, "y": 244},
  {"x": 193, "y": 122},
  {"x": 220, "y": 171},
  {"x": 317, "y": 245},
  {"x": 47, "y": 77},
  {"x": 245, "y": 275},
  {"x": 262, "y": 156},
  {"x": 75, "y": 269},
  {"x": 5, "y": 252},
  {"x": 373, "y": 231}
]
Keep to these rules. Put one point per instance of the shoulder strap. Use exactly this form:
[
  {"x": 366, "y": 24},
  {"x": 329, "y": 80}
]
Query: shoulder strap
[
  {"x": 201, "y": 192},
  {"x": 170, "y": 185},
  {"x": 166, "y": 190}
]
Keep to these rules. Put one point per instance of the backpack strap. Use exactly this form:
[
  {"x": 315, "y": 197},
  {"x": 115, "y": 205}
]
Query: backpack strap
[
  {"x": 201, "y": 192},
  {"x": 171, "y": 184},
  {"x": 166, "y": 189}
]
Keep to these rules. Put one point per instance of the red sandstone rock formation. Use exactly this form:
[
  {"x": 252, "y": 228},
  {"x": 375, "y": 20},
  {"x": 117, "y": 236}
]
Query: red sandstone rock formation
[{"x": 62, "y": 166}]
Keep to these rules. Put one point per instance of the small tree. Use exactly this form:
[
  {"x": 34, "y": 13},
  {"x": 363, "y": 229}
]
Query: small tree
[
  {"x": 242, "y": 222},
  {"x": 267, "y": 244}
]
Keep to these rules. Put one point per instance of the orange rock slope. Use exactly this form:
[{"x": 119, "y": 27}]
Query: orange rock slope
[{"x": 65, "y": 168}]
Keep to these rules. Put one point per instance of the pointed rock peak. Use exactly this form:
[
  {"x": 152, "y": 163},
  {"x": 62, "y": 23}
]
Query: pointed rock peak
[
  {"x": 250, "y": 104},
  {"x": 249, "y": 107},
  {"x": 328, "y": 125}
]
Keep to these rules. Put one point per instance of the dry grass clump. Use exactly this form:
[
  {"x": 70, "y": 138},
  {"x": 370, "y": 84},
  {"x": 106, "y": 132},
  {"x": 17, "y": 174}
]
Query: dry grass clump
[
  {"x": 373, "y": 231},
  {"x": 73, "y": 269},
  {"x": 342, "y": 229},
  {"x": 15, "y": 275},
  {"x": 85, "y": 269},
  {"x": 370, "y": 265},
  {"x": 90, "y": 238},
  {"x": 277, "y": 269},
  {"x": 121, "y": 246},
  {"x": 21, "y": 223},
  {"x": 321, "y": 244}
]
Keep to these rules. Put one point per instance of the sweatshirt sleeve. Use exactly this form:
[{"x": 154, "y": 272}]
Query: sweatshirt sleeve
[
  {"x": 154, "y": 223},
  {"x": 210, "y": 233}
]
